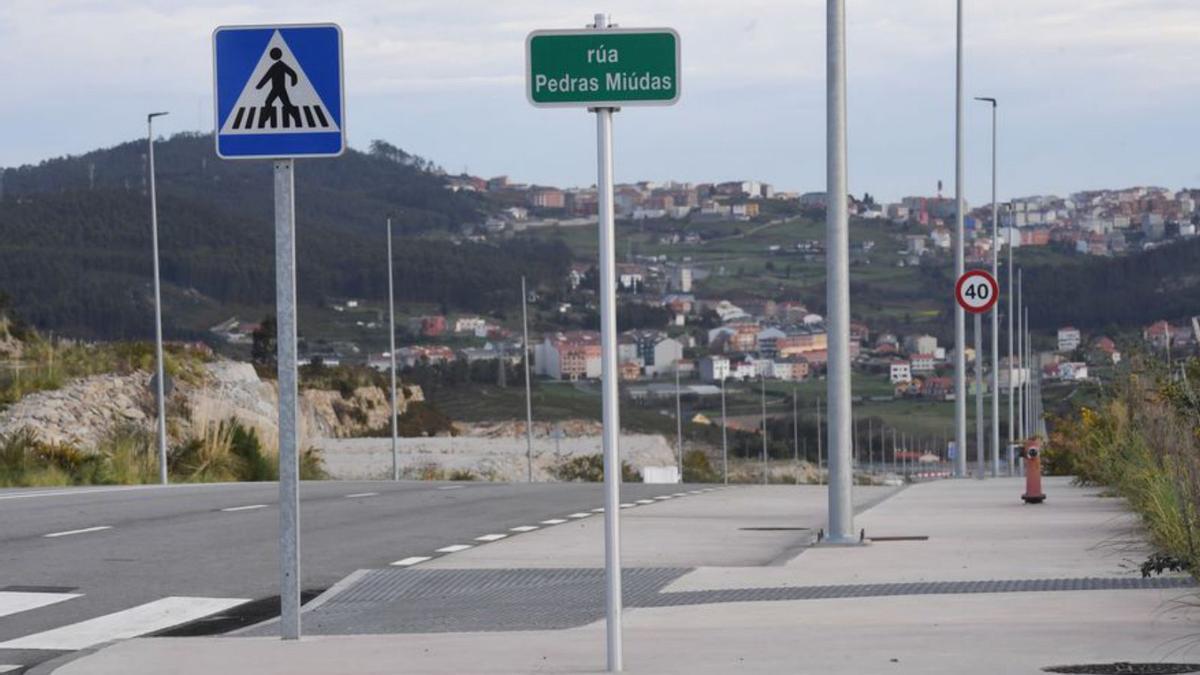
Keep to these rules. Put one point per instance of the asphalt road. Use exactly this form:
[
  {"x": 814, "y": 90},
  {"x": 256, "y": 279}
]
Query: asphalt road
[{"x": 160, "y": 542}]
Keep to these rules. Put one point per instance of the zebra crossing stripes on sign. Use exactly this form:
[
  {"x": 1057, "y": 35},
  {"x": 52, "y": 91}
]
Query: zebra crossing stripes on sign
[{"x": 278, "y": 91}]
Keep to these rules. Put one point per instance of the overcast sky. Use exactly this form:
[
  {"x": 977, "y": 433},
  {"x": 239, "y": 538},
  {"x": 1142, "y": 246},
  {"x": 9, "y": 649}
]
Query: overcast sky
[{"x": 1094, "y": 93}]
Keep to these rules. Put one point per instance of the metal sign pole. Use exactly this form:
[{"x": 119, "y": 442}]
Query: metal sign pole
[
  {"x": 392, "y": 351},
  {"x": 995, "y": 312},
  {"x": 837, "y": 265},
  {"x": 528, "y": 384},
  {"x": 289, "y": 466},
  {"x": 979, "y": 448},
  {"x": 608, "y": 372}
]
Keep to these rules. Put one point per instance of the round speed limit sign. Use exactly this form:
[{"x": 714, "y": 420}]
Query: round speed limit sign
[{"x": 977, "y": 291}]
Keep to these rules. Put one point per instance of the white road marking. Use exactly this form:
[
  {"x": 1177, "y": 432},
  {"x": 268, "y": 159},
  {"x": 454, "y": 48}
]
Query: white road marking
[
  {"x": 554, "y": 521},
  {"x": 12, "y": 602},
  {"x": 628, "y": 505},
  {"x": 524, "y": 528},
  {"x": 129, "y": 623},
  {"x": 359, "y": 495},
  {"x": 645, "y": 501},
  {"x": 452, "y": 487},
  {"x": 454, "y": 548},
  {"x": 8, "y": 669},
  {"x": 679, "y": 494},
  {"x": 248, "y": 507},
  {"x": 85, "y": 530},
  {"x": 599, "y": 510},
  {"x": 491, "y": 537},
  {"x": 579, "y": 515},
  {"x": 664, "y": 497},
  {"x": 412, "y": 560}
]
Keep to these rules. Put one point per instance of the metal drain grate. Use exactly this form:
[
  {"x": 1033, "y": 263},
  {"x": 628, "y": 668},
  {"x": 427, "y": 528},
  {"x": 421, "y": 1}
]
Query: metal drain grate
[
  {"x": 447, "y": 600},
  {"x": 1122, "y": 668}
]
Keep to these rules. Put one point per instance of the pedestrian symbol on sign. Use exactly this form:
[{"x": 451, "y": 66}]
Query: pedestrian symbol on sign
[
  {"x": 279, "y": 91},
  {"x": 290, "y": 104}
]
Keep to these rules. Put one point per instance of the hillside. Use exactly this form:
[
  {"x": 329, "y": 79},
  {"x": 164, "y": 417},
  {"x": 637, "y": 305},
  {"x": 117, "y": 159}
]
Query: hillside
[{"x": 75, "y": 250}]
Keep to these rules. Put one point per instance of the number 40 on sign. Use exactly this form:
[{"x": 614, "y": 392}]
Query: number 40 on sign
[{"x": 977, "y": 291}]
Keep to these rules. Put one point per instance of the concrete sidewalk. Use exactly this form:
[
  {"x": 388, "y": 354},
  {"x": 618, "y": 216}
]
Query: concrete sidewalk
[{"x": 826, "y": 610}]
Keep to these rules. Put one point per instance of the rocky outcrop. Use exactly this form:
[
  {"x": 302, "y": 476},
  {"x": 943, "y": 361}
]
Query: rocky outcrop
[{"x": 84, "y": 411}]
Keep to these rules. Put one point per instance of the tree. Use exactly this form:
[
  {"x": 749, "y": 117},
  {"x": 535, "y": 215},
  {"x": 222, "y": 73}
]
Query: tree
[{"x": 264, "y": 348}]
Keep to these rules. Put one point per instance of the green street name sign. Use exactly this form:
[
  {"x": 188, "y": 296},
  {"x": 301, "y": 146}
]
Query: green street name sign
[{"x": 607, "y": 68}]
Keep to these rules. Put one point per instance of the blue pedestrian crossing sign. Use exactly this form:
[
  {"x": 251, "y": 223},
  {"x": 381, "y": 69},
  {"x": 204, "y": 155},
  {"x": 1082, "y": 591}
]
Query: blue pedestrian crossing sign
[{"x": 278, "y": 91}]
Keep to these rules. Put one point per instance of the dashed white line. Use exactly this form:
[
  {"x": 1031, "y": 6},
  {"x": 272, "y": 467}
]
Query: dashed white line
[
  {"x": 491, "y": 537},
  {"x": 85, "y": 530},
  {"x": 554, "y": 521},
  {"x": 8, "y": 669},
  {"x": 599, "y": 510},
  {"x": 524, "y": 528},
  {"x": 664, "y": 497},
  {"x": 452, "y": 487},
  {"x": 454, "y": 548},
  {"x": 248, "y": 507},
  {"x": 679, "y": 494},
  {"x": 628, "y": 505},
  {"x": 645, "y": 501},
  {"x": 411, "y": 560},
  {"x": 360, "y": 495},
  {"x": 579, "y": 515}
]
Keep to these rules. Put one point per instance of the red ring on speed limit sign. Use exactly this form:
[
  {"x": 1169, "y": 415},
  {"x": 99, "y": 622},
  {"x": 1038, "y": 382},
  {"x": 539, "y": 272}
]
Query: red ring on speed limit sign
[{"x": 977, "y": 291}]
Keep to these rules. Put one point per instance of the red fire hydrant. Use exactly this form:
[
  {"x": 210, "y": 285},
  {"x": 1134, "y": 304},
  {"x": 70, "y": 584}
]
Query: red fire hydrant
[{"x": 1033, "y": 472}]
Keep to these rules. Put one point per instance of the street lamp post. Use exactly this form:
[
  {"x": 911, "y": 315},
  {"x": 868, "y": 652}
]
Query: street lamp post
[
  {"x": 528, "y": 384},
  {"x": 960, "y": 319},
  {"x": 995, "y": 310},
  {"x": 160, "y": 388},
  {"x": 724, "y": 436},
  {"x": 392, "y": 349}
]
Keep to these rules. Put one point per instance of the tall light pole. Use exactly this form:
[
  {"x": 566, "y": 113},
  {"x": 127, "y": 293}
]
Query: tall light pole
[
  {"x": 1020, "y": 360},
  {"x": 1012, "y": 427},
  {"x": 160, "y": 387},
  {"x": 763, "y": 378},
  {"x": 960, "y": 320},
  {"x": 528, "y": 384},
  {"x": 392, "y": 349},
  {"x": 678, "y": 422},
  {"x": 724, "y": 435},
  {"x": 996, "y": 309},
  {"x": 796, "y": 432},
  {"x": 837, "y": 270},
  {"x": 820, "y": 462}
]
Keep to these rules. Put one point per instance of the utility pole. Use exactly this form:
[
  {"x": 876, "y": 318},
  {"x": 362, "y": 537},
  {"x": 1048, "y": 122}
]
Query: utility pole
[
  {"x": 159, "y": 376},
  {"x": 960, "y": 321},
  {"x": 840, "y": 528},
  {"x": 528, "y": 384}
]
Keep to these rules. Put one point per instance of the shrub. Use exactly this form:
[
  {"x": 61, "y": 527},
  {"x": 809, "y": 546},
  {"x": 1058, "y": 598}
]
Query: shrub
[
  {"x": 697, "y": 468},
  {"x": 590, "y": 469}
]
